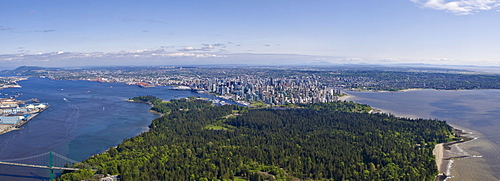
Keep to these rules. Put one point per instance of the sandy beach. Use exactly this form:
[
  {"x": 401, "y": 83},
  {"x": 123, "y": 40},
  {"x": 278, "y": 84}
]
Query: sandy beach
[
  {"x": 458, "y": 161},
  {"x": 402, "y": 90},
  {"x": 447, "y": 153},
  {"x": 406, "y": 90},
  {"x": 438, "y": 153},
  {"x": 344, "y": 97}
]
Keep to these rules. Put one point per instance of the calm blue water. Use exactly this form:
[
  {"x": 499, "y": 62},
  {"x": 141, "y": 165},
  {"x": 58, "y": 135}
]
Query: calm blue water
[
  {"x": 94, "y": 118},
  {"x": 477, "y": 110}
]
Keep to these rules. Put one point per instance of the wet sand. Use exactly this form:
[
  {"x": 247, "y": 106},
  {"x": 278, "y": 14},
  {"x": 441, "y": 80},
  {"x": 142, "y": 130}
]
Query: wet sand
[
  {"x": 459, "y": 161},
  {"x": 438, "y": 153},
  {"x": 466, "y": 164}
]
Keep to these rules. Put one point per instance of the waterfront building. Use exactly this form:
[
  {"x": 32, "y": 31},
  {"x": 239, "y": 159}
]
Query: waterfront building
[{"x": 11, "y": 119}]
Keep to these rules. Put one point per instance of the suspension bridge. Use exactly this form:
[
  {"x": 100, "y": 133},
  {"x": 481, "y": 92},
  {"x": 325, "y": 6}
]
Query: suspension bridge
[{"x": 50, "y": 160}]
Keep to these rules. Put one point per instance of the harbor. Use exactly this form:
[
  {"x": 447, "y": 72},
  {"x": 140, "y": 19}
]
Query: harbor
[
  {"x": 69, "y": 126},
  {"x": 15, "y": 113}
]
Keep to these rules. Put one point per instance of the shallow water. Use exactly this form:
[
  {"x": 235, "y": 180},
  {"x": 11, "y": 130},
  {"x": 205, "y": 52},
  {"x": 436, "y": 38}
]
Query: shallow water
[{"x": 477, "y": 111}]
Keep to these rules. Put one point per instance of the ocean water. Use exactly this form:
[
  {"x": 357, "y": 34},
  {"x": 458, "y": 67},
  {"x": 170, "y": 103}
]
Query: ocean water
[
  {"x": 85, "y": 118},
  {"x": 95, "y": 116},
  {"x": 475, "y": 111}
]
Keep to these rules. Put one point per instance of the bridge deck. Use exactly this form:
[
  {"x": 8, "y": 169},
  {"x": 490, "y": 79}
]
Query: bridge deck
[{"x": 39, "y": 166}]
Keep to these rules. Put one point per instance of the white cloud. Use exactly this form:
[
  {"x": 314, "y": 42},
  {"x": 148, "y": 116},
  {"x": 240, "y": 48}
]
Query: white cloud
[
  {"x": 54, "y": 56},
  {"x": 459, "y": 7},
  {"x": 351, "y": 59},
  {"x": 390, "y": 60},
  {"x": 186, "y": 49},
  {"x": 205, "y": 47}
]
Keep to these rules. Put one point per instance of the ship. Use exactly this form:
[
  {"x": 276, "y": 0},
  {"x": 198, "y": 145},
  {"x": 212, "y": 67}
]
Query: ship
[
  {"x": 181, "y": 88},
  {"x": 144, "y": 84}
]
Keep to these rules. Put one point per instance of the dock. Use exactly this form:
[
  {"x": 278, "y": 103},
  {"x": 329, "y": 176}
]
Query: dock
[
  {"x": 33, "y": 115},
  {"x": 12, "y": 116}
]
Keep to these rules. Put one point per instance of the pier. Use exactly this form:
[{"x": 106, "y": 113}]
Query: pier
[{"x": 13, "y": 116}]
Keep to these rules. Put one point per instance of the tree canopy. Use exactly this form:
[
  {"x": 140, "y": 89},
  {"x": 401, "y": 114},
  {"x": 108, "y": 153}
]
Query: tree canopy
[{"x": 323, "y": 141}]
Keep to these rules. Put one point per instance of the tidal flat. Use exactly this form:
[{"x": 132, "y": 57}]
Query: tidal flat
[{"x": 477, "y": 112}]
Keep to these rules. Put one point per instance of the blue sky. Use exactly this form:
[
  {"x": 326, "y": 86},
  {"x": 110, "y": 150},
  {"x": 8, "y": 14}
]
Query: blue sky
[{"x": 369, "y": 31}]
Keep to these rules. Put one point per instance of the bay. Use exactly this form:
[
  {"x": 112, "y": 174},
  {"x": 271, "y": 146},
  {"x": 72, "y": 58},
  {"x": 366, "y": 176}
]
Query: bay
[
  {"x": 475, "y": 111},
  {"x": 85, "y": 118},
  {"x": 95, "y": 116}
]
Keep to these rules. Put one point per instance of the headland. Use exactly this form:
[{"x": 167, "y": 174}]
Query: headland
[{"x": 456, "y": 160}]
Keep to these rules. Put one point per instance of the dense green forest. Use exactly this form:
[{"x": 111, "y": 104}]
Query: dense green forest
[{"x": 322, "y": 141}]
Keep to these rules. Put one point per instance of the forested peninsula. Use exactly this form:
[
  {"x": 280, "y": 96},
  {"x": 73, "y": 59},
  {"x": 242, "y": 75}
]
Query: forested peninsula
[{"x": 195, "y": 140}]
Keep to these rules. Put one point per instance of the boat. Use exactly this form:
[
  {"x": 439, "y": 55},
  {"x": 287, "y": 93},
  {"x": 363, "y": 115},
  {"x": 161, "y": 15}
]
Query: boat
[
  {"x": 144, "y": 85},
  {"x": 181, "y": 88}
]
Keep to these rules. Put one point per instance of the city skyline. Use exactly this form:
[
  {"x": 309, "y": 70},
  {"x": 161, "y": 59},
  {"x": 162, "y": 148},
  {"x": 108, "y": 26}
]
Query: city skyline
[{"x": 83, "y": 33}]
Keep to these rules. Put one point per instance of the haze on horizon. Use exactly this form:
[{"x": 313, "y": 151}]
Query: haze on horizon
[{"x": 278, "y": 32}]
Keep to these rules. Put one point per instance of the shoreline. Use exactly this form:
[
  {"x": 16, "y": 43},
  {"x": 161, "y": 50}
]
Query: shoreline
[
  {"x": 345, "y": 97},
  {"x": 402, "y": 90},
  {"x": 444, "y": 155},
  {"x": 5, "y": 128},
  {"x": 149, "y": 103},
  {"x": 438, "y": 154}
]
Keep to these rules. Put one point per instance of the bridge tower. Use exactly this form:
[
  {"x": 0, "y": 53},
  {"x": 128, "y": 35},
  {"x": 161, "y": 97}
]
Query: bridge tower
[
  {"x": 55, "y": 162},
  {"x": 51, "y": 164}
]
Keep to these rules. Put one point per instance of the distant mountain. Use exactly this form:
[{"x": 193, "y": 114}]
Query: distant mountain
[{"x": 27, "y": 70}]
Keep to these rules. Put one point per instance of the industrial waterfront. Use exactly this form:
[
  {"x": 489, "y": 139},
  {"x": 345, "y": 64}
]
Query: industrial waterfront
[
  {"x": 82, "y": 113},
  {"x": 15, "y": 113},
  {"x": 86, "y": 113}
]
